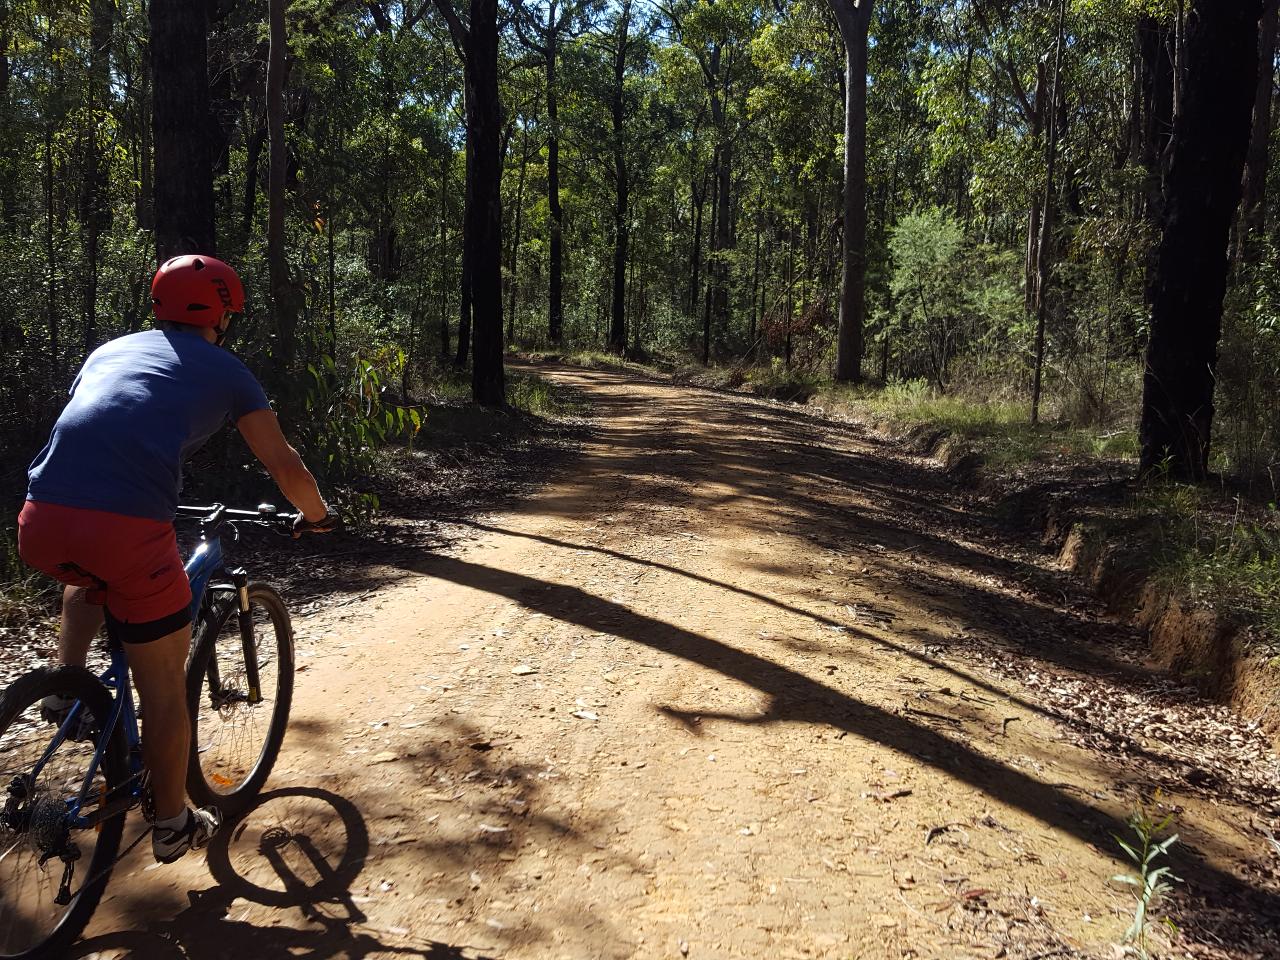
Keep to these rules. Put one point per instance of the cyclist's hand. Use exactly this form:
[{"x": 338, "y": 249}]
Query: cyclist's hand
[{"x": 327, "y": 524}]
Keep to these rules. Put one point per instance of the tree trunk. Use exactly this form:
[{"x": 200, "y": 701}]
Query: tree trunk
[
  {"x": 465, "y": 306},
  {"x": 1031, "y": 263},
  {"x": 555, "y": 306},
  {"x": 183, "y": 174},
  {"x": 621, "y": 184},
  {"x": 1155, "y": 41},
  {"x": 755, "y": 285},
  {"x": 253, "y": 151},
  {"x": 484, "y": 130},
  {"x": 1044, "y": 248},
  {"x": 1211, "y": 138},
  {"x": 699, "y": 191},
  {"x": 514, "y": 259},
  {"x": 621, "y": 243},
  {"x": 722, "y": 243},
  {"x": 1253, "y": 207},
  {"x": 854, "y": 24},
  {"x": 444, "y": 273},
  {"x": 711, "y": 262}
]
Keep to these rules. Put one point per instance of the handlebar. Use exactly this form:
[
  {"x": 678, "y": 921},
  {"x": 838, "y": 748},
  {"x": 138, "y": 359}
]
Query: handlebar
[{"x": 214, "y": 515}]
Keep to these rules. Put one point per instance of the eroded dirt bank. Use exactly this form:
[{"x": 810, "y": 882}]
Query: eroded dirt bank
[{"x": 735, "y": 682}]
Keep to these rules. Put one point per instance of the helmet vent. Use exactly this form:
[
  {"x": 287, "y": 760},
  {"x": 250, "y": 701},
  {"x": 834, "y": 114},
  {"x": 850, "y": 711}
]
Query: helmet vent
[{"x": 197, "y": 264}]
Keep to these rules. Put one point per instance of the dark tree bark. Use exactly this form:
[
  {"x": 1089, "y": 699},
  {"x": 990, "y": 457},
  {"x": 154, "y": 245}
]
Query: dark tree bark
[
  {"x": 184, "y": 218},
  {"x": 1210, "y": 140},
  {"x": 253, "y": 153},
  {"x": 711, "y": 264},
  {"x": 621, "y": 182},
  {"x": 482, "y": 223},
  {"x": 854, "y": 21},
  {"x": 699, "y": 198},
  {"x": 555, "y": 249},
  {"x": 716, "y": 310},
  {"x": 1253, "y": 206}
]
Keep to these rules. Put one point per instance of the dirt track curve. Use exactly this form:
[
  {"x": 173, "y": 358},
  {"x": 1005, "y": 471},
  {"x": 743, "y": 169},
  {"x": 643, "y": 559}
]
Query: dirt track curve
[{"x": 736, "y": 682}]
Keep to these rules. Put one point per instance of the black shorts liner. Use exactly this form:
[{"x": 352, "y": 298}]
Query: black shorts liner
[{"x": 149, "y": 631}]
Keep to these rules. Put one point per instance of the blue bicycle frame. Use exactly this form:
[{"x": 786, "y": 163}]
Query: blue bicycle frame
[{"x": 204, "y": 562}]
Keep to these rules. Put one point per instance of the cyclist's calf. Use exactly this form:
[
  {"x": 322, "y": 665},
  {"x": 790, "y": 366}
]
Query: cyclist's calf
[
  {"x": 158, "y": 670},
  {"x": 81, "y": 621}
]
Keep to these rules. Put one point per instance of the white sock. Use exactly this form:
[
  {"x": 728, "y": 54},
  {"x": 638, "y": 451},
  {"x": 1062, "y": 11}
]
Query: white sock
[{"x": 173, "y": 823}]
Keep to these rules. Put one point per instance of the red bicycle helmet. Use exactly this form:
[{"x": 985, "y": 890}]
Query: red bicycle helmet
[{"x": 196, "y": 290}]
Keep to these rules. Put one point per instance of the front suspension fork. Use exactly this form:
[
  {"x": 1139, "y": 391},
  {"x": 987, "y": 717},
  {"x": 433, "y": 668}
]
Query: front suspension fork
[{"x": 240, "y": 580}]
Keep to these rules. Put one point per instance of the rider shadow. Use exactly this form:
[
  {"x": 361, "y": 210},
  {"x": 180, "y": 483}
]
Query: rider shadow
[{"x": 280, "y": 854}]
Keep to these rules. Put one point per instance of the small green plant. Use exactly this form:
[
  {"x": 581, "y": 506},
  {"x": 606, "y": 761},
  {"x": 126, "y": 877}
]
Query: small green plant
[{"x": 1151, "y": 883}]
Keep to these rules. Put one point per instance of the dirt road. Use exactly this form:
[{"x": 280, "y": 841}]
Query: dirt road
[{"x": 737, "y": 682}]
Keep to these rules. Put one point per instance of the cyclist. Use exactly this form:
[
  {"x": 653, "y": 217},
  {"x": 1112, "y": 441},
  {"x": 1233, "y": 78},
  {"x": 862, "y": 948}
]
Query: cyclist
[{"x": 102, "y": 496}]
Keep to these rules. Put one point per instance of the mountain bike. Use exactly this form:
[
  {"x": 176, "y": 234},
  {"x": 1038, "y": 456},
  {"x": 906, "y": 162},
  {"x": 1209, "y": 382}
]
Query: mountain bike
[{"x": 66, "y": 796}]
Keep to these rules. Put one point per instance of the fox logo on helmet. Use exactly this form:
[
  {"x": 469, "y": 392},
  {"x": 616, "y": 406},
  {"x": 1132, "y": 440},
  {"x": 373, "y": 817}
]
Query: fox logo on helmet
[{"x": 224, "y": 292}]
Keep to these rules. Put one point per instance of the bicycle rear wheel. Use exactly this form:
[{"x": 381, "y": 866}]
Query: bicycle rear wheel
[
  {"x": 35, "y": 814},
  {"x": 234, "y": 739}
]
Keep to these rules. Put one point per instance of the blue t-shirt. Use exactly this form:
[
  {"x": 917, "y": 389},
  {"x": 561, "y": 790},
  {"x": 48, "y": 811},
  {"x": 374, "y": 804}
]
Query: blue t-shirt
[{"x": 139, "y": 407}]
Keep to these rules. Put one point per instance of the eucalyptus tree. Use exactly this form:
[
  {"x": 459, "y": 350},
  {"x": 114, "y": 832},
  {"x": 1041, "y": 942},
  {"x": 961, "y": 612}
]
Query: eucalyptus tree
[
  {"x": 716, "y": 34},
  {"x": 544, "y": 26},
  {"x": 1210, "y": 141},
  {"x": 475, "y": 37},
  {"x": 854, "y": 18},
  {"x": 184, "y": 209}
]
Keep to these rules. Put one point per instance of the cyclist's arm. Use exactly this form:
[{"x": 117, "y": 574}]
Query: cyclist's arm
[{"x": 261, "y": 431}]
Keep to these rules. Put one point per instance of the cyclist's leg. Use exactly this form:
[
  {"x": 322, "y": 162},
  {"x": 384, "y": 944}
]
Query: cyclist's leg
[
  {"x": 52, "y": 539},
  {"x": 159, "y": 676},
  {"x": 81, "y": 620}
]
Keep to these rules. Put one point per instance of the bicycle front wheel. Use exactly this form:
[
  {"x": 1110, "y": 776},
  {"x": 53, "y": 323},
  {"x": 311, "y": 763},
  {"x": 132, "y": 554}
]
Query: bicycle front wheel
[
  {"x": 235, "y": 736},
  {"x": 35, "y": 820}
]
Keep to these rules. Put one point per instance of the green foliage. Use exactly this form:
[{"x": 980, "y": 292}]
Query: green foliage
[
  {"x": 540, "y": 398},
  {"x": 1247, "y": 427},
  {"x": 946, "y": 294},
  {"x": 347, "y": 419},
  {"x": 1151, "y": 882},
  {"x": 1229, "y": 558}
]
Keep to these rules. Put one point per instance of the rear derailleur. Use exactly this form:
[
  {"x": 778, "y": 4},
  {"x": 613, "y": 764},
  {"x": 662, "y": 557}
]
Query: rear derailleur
[{"x": 47, "y": 824}]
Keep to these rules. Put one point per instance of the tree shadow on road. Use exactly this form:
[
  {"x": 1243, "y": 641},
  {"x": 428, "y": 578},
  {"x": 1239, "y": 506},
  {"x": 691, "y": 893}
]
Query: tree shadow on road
[
  {"x": 769, "y": 471},
  {"x": 799, "y": 698}
]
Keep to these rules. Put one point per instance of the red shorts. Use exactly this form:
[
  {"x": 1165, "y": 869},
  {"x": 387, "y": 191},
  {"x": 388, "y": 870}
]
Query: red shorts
[{"x": 129, "y": 563}]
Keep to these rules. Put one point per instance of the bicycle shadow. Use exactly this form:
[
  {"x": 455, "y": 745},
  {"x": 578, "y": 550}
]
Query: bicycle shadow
[{"x": 299, "y": 848}]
